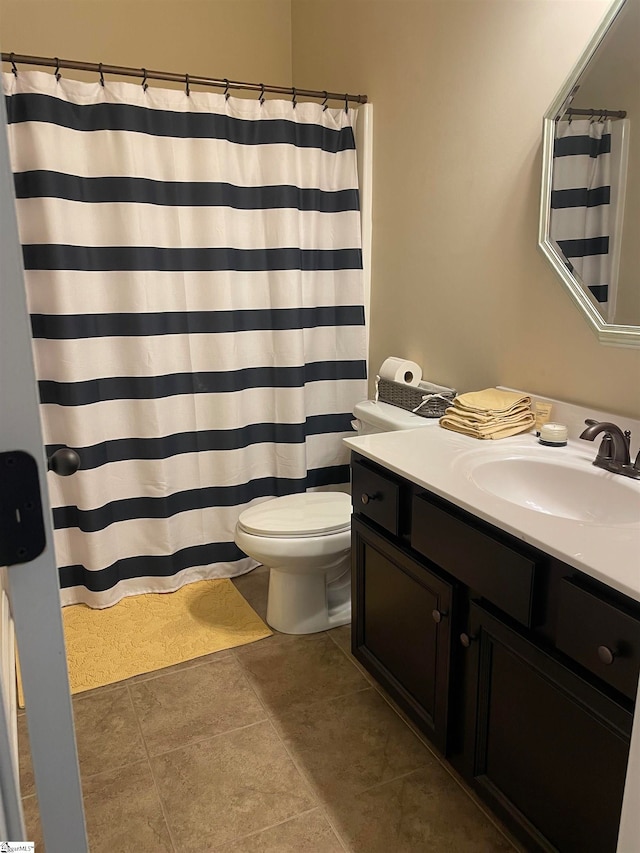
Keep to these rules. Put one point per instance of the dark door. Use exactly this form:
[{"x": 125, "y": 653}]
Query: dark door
[
  {"x": 401, "y": 628},
  {"x": 546, "y": 749}
]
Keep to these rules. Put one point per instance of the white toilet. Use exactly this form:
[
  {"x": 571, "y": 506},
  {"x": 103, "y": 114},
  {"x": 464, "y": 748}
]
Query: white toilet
[{"x": 305, "y": 540}]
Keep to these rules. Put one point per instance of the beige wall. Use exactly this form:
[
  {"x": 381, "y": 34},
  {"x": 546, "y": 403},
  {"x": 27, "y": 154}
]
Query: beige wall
[
  {"x": 239, "y": 39},
  {"x": 459, "y": 88}
]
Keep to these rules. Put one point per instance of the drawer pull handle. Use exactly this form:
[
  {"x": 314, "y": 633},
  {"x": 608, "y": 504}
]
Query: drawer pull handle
[
  {"x": 438, "y": 615},
  {"x": 466, "y": 640},
  {"x": 365, "y": 498},
  {"x": 606, "y": 655}
]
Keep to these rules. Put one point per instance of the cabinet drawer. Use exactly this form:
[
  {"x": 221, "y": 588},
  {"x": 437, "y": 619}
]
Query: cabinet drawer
[
  {"x": 490, "y": 568},
  {"x": 589, "y": 626},
  {"x": 375, "y": 496}
]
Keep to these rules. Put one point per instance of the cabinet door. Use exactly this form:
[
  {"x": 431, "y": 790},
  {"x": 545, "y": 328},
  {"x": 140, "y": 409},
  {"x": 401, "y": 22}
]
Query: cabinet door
[
  {"x": 401, "y": 628},
  {"x": 545, "y": 748}
]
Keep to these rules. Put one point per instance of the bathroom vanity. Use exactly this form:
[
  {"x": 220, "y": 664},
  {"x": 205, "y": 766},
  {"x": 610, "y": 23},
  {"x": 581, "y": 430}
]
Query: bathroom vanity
[{"x": 510, "y": 636}]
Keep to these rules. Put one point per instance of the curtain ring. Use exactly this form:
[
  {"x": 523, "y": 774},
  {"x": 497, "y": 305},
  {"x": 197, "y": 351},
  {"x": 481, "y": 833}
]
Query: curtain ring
[
  {"x": 261, "y": 98},
  {"x": 57, "y": 73},
  {"x": 326, "y": 98},
  {"x": 293, "y": 99},
  {"x": 186, "y": 86},
  {"x": 346, "y": 103},
  {"x": 145, "y": 85},
  {"x": 226, "y": 89},
  {"x": 13, "y": 65},
  {"x": 101, "y": 74}
]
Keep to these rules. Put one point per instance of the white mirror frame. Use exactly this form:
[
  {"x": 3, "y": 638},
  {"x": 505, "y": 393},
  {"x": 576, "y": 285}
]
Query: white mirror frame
[{"x": 608, "y": 333}]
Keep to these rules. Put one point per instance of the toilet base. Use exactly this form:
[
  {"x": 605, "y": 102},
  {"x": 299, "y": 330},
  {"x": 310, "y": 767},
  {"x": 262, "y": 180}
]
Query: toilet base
[{"x": 305, "y": 603}]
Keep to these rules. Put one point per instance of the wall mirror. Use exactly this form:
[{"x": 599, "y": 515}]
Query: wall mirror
[{"x": 590, "y": 200}]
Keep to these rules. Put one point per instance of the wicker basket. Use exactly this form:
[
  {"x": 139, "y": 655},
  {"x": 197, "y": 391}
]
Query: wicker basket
[{"x": 425, "y": 399}]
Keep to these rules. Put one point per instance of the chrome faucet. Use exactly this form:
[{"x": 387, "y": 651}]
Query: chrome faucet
[{"x": 613, "y": 453}]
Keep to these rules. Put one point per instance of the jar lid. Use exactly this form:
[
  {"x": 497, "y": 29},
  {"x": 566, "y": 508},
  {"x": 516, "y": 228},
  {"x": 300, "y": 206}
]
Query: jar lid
[{"x": 554, "y": 434}]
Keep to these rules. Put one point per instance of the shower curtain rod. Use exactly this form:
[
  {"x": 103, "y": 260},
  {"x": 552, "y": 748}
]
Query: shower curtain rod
[
  {"x": 606, "y": 113},
  {"x": 188, "y": 80}
]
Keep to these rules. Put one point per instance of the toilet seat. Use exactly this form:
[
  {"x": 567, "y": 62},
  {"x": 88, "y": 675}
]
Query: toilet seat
[{"x": 294, "y": 516}]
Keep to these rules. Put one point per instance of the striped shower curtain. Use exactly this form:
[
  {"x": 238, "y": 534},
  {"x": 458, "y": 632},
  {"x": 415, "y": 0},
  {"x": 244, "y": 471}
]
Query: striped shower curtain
[
  {"x": 580, "y": 204},
  {"x": 194, "y": 278}
]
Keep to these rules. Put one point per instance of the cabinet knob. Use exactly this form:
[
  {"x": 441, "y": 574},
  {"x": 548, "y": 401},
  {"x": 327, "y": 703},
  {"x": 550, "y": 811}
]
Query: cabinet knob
[
  {"x": 365, "y": 498},
  {"x": 606, "y": 655},
  {"x": 438, "y": 615},
  {"x": 466, "y": 640}
]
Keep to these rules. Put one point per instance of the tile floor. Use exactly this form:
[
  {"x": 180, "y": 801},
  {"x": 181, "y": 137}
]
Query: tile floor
[{"x": 282, "y": 746}]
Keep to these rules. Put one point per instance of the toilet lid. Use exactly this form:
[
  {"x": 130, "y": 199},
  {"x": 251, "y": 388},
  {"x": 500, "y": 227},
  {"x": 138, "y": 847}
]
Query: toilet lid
[{"x": 307, "y": 514}]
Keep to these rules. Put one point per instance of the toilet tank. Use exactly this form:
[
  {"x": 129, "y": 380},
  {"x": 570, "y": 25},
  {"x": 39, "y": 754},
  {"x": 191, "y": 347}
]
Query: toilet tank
[{"x": 371, "y": 417}]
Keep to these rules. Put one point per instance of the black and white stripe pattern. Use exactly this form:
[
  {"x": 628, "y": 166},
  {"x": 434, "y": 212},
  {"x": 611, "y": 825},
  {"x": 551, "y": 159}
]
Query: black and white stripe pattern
[
  {"x": 194, "y": 277},
  {"x": 580, "y": 203}
]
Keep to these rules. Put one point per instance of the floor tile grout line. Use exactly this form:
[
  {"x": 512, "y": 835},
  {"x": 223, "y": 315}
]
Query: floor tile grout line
[
  {"x": 208, "y": 738},
  {"x": 305, "y": 777},
  {"x": 153, "y": 775},
  {"x": 243, "y": 676},
  {"x": 190, "y": 663},
  {"x": 265, "y": 828},
  {"x": 356, "y": 663}
]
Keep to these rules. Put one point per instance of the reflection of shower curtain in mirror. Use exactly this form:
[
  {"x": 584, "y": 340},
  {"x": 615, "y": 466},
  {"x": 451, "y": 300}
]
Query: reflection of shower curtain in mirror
[{"x": 580, "y": 205}]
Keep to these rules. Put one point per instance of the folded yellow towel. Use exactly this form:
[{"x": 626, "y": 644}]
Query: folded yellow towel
[
  {"x": 491, "y": 401},
  {"x": 475, "y": 418},
  {"x": 489, "y": 414},
  {"x": 497, "y": 428}
]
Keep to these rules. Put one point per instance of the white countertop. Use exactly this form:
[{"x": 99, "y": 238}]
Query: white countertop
[{"x": 439, "y": 460}]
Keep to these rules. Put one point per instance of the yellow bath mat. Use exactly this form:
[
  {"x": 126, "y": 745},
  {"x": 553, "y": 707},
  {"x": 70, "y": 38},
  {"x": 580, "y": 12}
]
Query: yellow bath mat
[{"x": 144, "y": 633}]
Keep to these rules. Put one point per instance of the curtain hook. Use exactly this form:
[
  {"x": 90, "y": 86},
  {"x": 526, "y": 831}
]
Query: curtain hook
[
  {"x": 293, "y": 99},
  {"x": 186, "y": 86},
  {"x": 326, "y": 98},
  {"x": 145, "y": 85},
  {"x": 101, "y": 74},
  {"x": 13, "y": 64},
  {"x": 226, "y": 89},
  {"x": 346, "y": 103},
  {"x": 57, "y": 73},
  {"x": 261, "y": 98}
]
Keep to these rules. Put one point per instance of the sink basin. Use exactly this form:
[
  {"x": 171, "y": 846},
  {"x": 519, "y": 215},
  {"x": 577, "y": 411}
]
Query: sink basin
[{"x": 587, "y": 494}]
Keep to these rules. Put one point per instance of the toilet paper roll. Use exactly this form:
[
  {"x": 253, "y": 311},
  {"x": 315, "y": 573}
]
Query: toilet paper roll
[{"x": 400, "y": 370}]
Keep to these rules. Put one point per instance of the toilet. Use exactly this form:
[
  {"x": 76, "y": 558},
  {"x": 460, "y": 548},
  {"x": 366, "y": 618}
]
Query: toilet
[{"x": 305, "y": 541}]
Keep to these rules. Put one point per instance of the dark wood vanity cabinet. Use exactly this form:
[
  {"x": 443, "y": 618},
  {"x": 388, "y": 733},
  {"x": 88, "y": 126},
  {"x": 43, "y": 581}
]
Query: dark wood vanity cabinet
[{"x": 521, "y": 670}]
